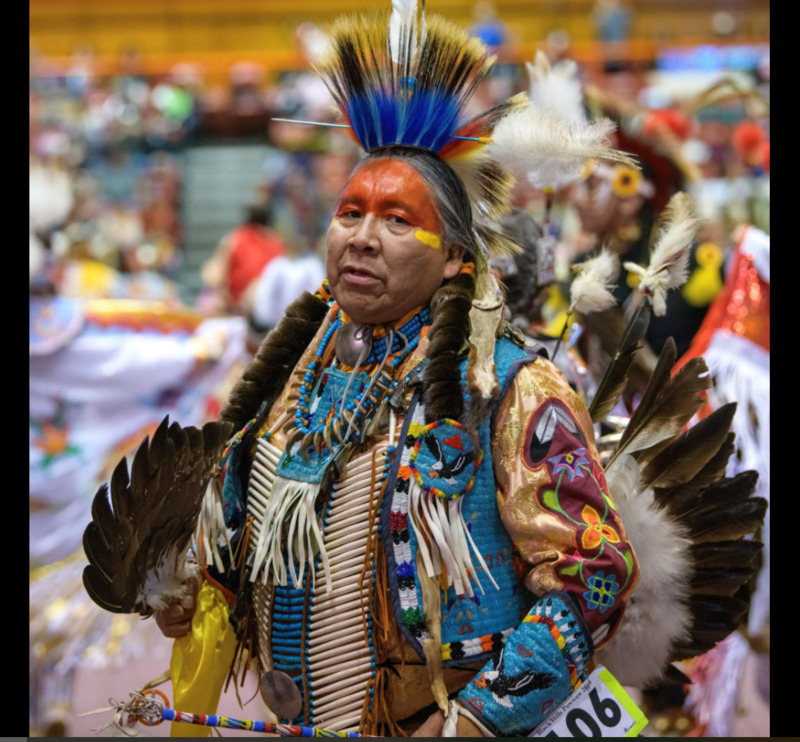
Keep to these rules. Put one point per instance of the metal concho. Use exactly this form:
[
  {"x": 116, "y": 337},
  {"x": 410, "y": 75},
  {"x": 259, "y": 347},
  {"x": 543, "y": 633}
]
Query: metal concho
[
  {"x": 353, "y": 341},
  {"x": 280, "y": 694}
]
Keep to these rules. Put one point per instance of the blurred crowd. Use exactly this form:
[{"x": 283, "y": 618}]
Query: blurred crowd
[{"x": 106, "y": 180}]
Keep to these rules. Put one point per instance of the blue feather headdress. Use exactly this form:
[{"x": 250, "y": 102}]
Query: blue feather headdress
[
  {"x": 406, "y": 80},
  {"x": 407, "y": 87}
]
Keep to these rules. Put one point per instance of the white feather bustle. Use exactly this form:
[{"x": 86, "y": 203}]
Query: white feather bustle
[{"x": 657, "y": 615}]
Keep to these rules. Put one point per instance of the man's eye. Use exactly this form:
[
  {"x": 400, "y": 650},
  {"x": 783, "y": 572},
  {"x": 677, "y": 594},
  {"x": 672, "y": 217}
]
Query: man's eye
[
  {"x": 350, "y": 214},
  {"x": 398, "y": 220}
]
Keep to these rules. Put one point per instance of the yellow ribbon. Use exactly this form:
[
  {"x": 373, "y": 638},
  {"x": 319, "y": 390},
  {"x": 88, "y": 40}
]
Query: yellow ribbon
[{"x": 200, "y": 661}]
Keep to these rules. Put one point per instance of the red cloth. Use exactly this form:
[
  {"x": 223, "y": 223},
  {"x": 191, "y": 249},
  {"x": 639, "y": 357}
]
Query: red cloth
[{"x": 251, "y": 248}]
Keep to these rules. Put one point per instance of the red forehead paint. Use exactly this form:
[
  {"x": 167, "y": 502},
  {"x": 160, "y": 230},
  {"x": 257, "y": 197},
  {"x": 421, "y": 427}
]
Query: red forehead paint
[{"x": 391, "y": 188}]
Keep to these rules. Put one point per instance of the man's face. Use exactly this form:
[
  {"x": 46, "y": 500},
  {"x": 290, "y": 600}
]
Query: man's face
[
  {"x": 599, "y": 209},
  {"x": 386, "y": 255}
]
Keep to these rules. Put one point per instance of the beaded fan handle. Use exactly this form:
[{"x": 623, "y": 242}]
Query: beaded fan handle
[{"x": 147, "y": 708}]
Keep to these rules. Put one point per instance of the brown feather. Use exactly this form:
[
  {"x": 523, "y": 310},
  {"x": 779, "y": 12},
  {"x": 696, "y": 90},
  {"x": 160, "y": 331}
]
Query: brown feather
[
  {"x": 732, "y": 553},
  {"x": 720, "y": 496},
  {"x": 741, "y": 520},
  {"x": 673, "y": 675},
  {"x": 719, "y": 580},
  {"x": 615, "y": 378},
  {"x": 677, "y": 499},
  {"x": 686, "y": 456},
  {"x": 668, "y": 404},
  {"x": 715, "y": 618}
]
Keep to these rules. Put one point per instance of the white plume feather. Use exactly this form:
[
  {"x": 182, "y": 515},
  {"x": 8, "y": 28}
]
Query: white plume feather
[
  {"x": 669, "y": 262},
  {"x": 548, "y": 149},
  {"x": 557, "y": 88},
  {"x": 591, "y": 290},
  {"x": 406, "y": 14}
]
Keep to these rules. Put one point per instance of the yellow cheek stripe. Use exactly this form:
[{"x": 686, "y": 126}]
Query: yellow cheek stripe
[{"x": 429, "y": 238}]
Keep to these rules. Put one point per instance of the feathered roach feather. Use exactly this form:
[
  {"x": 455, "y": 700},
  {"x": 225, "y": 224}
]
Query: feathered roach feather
[
  {"x": 421, "y": 104},
  {"x": 681, "y": 460},
  {"x": 405, "y": 14},
  {"x": 669, "y": 261},
  {"x": 419, "y": 100},
  {"x": 141, "y": 525},
  {"x": 480, "y": 128}
]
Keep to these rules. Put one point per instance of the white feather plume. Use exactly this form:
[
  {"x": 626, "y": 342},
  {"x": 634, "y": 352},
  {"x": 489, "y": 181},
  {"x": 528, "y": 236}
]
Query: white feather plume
[
  {"x": 557, "y": 88},
  {"x": 669, "y": 262},
  {"x": 591, "y": 289},
  {"x": 657, "y": 616},
  {"x": 405, "y": 14},
  {"x": 547, "y": 148}
]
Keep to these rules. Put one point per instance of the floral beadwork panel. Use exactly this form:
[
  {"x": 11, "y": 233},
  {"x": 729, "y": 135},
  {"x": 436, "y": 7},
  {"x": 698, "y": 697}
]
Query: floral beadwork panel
[{"x": 554, "y": 499}]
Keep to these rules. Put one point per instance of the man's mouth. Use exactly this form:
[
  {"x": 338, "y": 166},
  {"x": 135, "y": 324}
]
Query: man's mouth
[{"x": 358, "y": 275}]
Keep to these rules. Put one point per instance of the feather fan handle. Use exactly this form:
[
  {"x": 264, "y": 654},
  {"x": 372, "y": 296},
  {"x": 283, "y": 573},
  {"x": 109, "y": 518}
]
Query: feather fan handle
[
  {"x": 547, "y": 149},
  {"x": 591, "y": 289},
  {"x": 669, "y": 261}
]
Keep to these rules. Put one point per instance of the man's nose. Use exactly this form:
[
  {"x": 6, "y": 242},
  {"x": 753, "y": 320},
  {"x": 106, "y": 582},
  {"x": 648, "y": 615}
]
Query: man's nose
[{"x": 366, "y": 237}]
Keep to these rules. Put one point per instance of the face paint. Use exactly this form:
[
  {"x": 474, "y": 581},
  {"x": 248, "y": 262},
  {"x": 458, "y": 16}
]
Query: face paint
[
  {"x": 395, "y": 193},
  {"x": 429, "y": 238}
]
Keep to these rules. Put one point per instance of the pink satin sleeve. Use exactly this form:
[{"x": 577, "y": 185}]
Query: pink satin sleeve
[{"x": 553, "y": 498}]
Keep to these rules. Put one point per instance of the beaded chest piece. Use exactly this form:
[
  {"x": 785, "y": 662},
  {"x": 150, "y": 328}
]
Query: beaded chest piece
[{"x": 335, "y": 410}]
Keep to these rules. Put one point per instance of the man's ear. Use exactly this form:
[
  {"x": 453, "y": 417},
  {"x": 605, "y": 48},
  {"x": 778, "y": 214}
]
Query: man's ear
[{"x": 455, "y": 257}]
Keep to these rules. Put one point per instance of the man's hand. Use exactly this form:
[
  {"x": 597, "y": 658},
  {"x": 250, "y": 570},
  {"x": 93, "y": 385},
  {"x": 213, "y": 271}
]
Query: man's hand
[
  {"x": 434, "y": 725},
  {"x": 176, "y": 621}
]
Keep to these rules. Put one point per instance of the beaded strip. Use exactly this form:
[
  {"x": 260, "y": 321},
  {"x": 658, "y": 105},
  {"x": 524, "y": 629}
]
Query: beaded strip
[{"x": 567, "y": 635}]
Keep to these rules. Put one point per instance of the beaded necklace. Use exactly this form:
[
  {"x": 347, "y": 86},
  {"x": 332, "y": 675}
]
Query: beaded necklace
[{"x": 348, "y": 421}]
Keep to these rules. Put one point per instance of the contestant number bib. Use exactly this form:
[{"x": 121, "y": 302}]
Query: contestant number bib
[{"x": 599, "y": 708}]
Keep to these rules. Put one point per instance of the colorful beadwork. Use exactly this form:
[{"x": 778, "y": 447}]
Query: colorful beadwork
[
  {"x": 450, "y": 458},
  {"x": 542, "y": 661}
]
